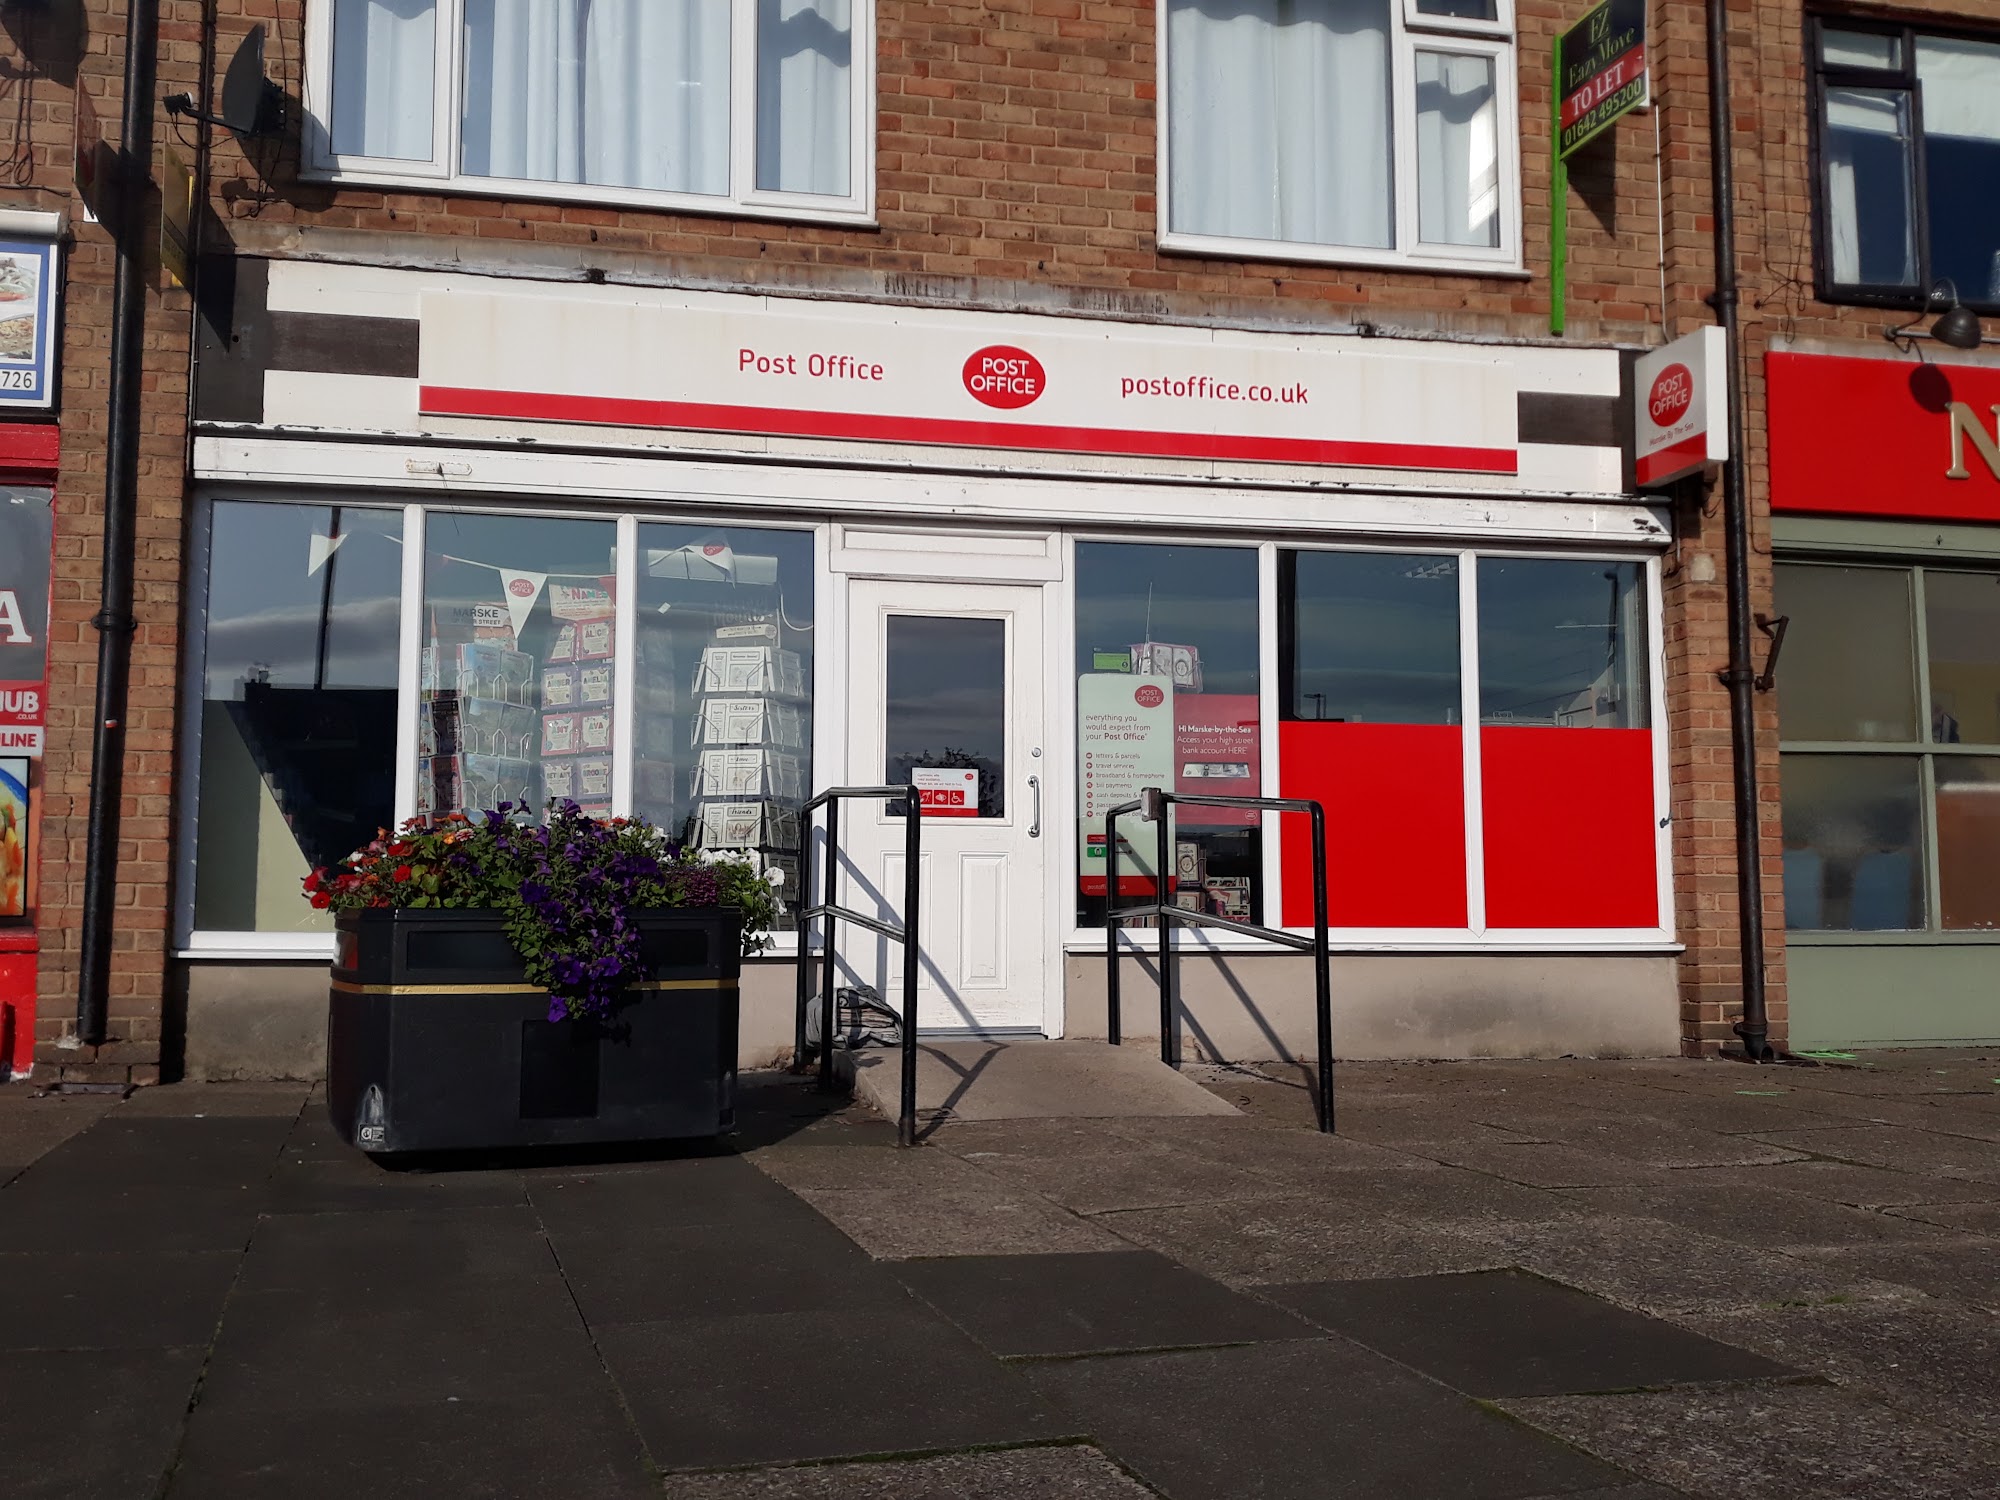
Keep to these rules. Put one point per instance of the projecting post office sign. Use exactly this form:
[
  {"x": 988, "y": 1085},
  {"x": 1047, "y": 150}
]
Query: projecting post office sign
[
  {"x": 1681, "y": 426},
  {"x": 26, "y": 537}
]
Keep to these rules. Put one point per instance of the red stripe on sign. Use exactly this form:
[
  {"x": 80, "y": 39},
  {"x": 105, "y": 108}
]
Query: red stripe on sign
[
  {"x": 765, "y": 421},
  {"x": 1673, "y": 459},
  {"x": 1603, "y": 85}
]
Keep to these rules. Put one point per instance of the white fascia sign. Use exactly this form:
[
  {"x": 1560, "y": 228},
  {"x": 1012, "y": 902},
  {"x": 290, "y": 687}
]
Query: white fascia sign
[{"x": 1681, "y": 426}]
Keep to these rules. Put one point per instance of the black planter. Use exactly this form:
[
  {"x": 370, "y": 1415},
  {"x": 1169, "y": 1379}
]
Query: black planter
[{"x": 436, "y": 1042}]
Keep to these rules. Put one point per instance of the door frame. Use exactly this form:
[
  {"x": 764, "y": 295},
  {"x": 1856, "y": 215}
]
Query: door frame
[{"x": 920, "y": 554}]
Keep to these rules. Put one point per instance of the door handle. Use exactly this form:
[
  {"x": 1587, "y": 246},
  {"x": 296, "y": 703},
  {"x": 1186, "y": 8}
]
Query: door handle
[{"x": 1035, "y": 786}]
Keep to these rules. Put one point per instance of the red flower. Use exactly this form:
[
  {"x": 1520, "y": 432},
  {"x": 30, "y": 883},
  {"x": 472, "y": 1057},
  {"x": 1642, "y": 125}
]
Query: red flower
[
  {"x": 399, "y": 848},
  {"x": 312, "y": 882},
  {"x": 321, "y": 900},
  {"x": 403, "y": 873}
]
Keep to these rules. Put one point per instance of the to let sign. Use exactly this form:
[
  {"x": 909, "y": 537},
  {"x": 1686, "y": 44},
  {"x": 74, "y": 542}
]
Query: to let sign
[
  {"x": 26, "y": 535},
  {"x": 1600, "y": 72}
]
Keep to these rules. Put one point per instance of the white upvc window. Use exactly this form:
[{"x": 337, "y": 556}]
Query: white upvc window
[
  {"x": 1361, "y": 132},
  {"x": 749, "y": 107}
]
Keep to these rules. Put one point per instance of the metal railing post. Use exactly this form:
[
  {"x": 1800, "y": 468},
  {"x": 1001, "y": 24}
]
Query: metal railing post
[
  {"x": 1322, "y": 978},
  {"x": 1113, "y": 1021},
  {"x": 913, "y": 832},
  {"x": 1163, "y": 846},
  {"x": 803, "y": 925},
  {"x": 828, "y": 1006}
]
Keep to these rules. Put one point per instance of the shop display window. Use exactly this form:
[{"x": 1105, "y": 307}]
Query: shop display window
[
  {"x": 1372, "y": 727},
  {"x": 722, "y": 708},
  {"x": 296, "y": 763},
  {"x": 519, "y": 647},
  {"x": 1167, "y": 695},
  {"x": 1566, "y": 754},
  {"x": 1889, "y": 725}
]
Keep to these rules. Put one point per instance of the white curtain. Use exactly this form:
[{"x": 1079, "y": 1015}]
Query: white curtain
[
  {"x": 1278, "y": 120},
  {"x": 384, "y": 78},
  {"x": 805, "y": 119},
  {"x": 615, "y": 93},
  {"x": 1458, "y": 151},
  {"x": 1868, "y": 169}
]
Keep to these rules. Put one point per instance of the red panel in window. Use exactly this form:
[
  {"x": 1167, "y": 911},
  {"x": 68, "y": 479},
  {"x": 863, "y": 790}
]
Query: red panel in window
[
  {"x": 1569, "y": 827},
  {"x": 1394, "y": 796}
]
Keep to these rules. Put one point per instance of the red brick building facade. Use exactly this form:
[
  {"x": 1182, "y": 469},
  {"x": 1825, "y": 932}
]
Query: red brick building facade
[{"x": 1015, "y": 154}]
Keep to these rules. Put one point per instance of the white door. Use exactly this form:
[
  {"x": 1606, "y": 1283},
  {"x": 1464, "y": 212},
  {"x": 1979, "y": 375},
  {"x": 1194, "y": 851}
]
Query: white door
[{"x": 947, "y": 679}]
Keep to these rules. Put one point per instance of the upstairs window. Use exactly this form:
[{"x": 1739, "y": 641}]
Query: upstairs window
[
  {"x": 1909, "y": 153},
  {"x": 1377, "y": 132},
  {"x": 750, "y": 106}
]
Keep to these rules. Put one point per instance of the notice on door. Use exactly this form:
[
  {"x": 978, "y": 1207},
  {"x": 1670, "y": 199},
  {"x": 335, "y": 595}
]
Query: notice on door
[
  {"x": 947, "y": 791},
  {"x": 1125, "y": 743}
]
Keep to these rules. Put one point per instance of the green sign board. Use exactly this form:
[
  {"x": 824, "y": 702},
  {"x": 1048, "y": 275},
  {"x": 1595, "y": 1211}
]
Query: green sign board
[{"x": 1600, "y": 72}]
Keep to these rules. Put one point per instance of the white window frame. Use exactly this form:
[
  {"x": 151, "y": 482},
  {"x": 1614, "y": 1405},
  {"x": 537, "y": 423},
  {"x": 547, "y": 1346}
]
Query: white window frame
[
  {"x": 441, "y": 175},
  {"x": 1410, "y": 34},
  {"x": 1476, "y": 936},
  {"x": 192, "y": 942}
]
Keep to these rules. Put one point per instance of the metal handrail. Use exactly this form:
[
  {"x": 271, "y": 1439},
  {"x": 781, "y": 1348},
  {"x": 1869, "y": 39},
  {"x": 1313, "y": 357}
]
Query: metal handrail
[
  {"x": 1154, "y": 804},
  {"x": 832, "y": 913}
]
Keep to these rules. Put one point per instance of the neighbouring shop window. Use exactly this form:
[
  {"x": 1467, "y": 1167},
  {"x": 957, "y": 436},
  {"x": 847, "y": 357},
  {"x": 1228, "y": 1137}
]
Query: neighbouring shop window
[
  {"x": 1167, "y": 696},
  {"x": 1569, "y": 837},
  {"x": 723, "y": 731},
  {"x": 1372, "y": 728},
  {"x": 299, "y": 650},
  {"x": 744, "y": 105},
  {"x": 1362, "y": 130},
  {"x": 1889, "y": 720},
  {"x": 1909, "y": 141},
  {"x": 520, "y": 647}
]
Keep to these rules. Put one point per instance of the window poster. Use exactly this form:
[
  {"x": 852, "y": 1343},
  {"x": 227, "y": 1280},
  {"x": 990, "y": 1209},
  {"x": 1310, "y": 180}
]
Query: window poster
[
  {"x": 1125, "y": 742},
  {"x": 28, "y": 281},
  {"x": 13, "y": 838},
  {"x": 1215, "y": 753},
  {"x": 26, "y": 536}
]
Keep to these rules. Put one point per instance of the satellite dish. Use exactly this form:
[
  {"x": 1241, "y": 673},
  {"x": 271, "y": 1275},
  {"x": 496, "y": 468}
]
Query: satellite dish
[{"x": 251, "y": 103}]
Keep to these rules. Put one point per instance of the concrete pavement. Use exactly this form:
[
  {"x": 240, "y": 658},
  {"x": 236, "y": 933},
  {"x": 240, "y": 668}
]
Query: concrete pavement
[{"x": 1504, "y": 1280}]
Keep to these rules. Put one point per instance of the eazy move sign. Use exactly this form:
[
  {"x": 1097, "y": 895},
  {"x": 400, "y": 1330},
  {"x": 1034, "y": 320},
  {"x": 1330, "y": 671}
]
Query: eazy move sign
[
  {"x": 26, "y": 536},
  {"x": 1600, "y": 72},
  {"x": 771, "y": 367}
]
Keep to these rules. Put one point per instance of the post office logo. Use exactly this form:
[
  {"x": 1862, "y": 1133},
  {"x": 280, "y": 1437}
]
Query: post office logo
[
  {"x": 1005, "y": 377},
  {"x": 1672, "y": 394}
]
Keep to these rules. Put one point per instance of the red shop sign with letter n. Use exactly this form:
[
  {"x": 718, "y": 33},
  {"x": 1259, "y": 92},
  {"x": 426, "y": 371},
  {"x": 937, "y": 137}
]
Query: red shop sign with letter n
[
  {"x": 1893, "y": 438},
  {"x": 26, "y": 535}
]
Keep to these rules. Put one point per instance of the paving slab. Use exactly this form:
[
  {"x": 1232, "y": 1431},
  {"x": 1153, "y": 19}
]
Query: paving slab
[
  {"x": 1016, "y": 1305},
  {"x": 185, "y": 1153},
  {"x": 1300, "y": 1239},
  {"x": 1905, "y": 1150},
  {"x": 1970, "y": 1218},
  {"x": 868, "y": 1169},
  {"x": 1112, "y": 1173},
  {"x": 408, "y": 1259},
  {"x": 1786, "y": 1442},
  {"x": 1655, "y": 1267},
  {"x": 1868, "y": 1187},
  {"x": 1650, "y": 1142},
  {"x": 1317, "y": 1420},
  {"x": 1508, "y": 1333},
  {"x": 98, "y": 1424},
  {"x": 1964, "y": 1270},
  {"x": 803, "y": 1266},
  {"x": 1745, "y": 1212},
  {"x": 1292, "y": 1157},
  {"x": 1032, "y": 1080},
  {"x": 128, "y": 1300},
  {"x": 689, "y": 1194},
  {"x": 984, "y": 1218},
  {"x": 774, "y": 1388},
  {"x": 1069, "y": 1471},
  {"x": 54, "y": 1213},
  {"x": 493, "y": 1450},
  {"x": 1937, "y": 1361},
  {"x": 221, "y": 1100},
  {"x": 1541, "y": 1164}
]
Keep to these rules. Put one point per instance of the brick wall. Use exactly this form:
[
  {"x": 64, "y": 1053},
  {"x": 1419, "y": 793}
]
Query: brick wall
[{"x": 1016, "y": 146}]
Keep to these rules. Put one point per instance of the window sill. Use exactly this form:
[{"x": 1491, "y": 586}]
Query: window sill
[
  {"x": 1492, "y": 264},
  {"x": 587, "y": 195},
  {"x": 1142, "y": 945},
  {"x": 1971, "y": 937}
]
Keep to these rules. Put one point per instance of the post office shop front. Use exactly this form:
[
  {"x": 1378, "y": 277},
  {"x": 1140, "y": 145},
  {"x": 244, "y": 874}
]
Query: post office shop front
[{"x": 697, "y": 588}]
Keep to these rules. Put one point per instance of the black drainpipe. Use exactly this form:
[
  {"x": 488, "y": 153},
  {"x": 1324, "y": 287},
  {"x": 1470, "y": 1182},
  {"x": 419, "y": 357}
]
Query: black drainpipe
[
  {"x": 113, "y": 620},
  {"x": 1754, "y": 1026}
]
